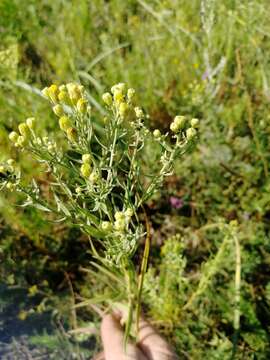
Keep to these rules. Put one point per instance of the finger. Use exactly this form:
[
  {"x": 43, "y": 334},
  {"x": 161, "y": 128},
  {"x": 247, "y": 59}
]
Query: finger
[
  {"x": 113, "y": 341},
  {"x": 99, "y": 356},
  {"x": 152, "y": 344}
]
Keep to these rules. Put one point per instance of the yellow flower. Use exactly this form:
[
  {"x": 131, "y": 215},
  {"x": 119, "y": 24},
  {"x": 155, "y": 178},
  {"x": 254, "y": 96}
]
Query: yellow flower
[
  {"x": 180, "y": 121},
  {"x": 33, "y": 290},
  {"x": 118, "y": 96},
  {"x": 64, "y": 123},
  {"x": 31, "y": 122},
  {"x": 194, "y": 123},
  {"x": 86, "y": 170},
  {"x": 58, "y": 110},
  {"x": 157, "y": 133},
  {"x": 138, "y": 112},
  {"x": 191, "y": 133},
  {"x": 86, "y": 158},
  {"x": 82, "y": 105},
  {"x": 106, "y": 225},
  {"x": 24, "y": 130},
  {"x": 107, "y": 98},
  {"x": 13, "y": 136},
  {"x": 63, "y": 97},
  {"x": 22, "y": 315},
  {"x": 123, "y": 109},
  {"x": 72, "y": 134},
  {"x": 119, "y": 225},
  {"x": 53, "y": 92}
]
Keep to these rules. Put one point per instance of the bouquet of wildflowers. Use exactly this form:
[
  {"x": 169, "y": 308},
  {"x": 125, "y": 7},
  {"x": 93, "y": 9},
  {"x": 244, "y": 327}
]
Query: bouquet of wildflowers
[{"x": 98, "y": 176}]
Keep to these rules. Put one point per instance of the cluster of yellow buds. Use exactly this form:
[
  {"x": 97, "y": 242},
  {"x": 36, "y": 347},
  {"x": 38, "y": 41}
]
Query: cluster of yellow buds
[
  {"x": 122, "y": 219},
  {"x": 25, "y": 132},
  {"x": 72, "y": 95},
  {"x": 86, "y": 168},
  {"x": 179, "y": 124},
  {"x": 123, "y": 100},
  {"x": 7, "y": 170}
]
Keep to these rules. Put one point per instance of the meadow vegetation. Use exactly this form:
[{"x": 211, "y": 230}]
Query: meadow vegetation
[{"x": 207, "y": 283}]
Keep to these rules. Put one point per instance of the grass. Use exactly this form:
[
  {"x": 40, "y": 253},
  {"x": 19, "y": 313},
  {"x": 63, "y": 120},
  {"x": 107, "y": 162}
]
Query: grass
[{"x": 207, "y": 58}]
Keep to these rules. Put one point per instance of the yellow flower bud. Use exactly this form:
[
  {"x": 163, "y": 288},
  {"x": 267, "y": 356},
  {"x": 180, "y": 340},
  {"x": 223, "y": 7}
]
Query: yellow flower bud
[
  {"x": 62, "y": 87},
  {"x": 93, "y": 178},
  {"x": 45, "y": 92},
  {"x": 191, "y": 133},
  {"x": 121, "y": 87},
  {"x": 10, "y": 186},
  {"x": 13, "y": 136},
  {"x": 24, "y": 130},
  {"x": 74, "y": 92},
  {"x": 139, "y": 113},
  {"x": 63, "y": 97},
  {"x": 119, "y": 225},
  {"x": 71, "y": 134},
  {"x": 2, "y": 169},
  {"x": 157, "y": 133},
  {"x": 118, "y": 96},
  {"x": 129, "y": 213},
  {"x": 86, "y": 170},
  {"x": 131, "y": 95},
  {"x": 82, "y": 105},
  {"x": 31, "y": 122},
  {"x": 194, "y": 123},
  {"x": 86, "y": 158},
  {"x": 119, "y": 215},
  {"x": 53, "y": 92},
  {"x": 107, "y": 98},
  {"x": 10, "y": 162},
  {"x": 106, "y": 225},
  {"x": 174, "y": 127},
  {"x": 180, "y": 121},
  {"x": 58, "y": 110},
  {"x": 64, "y": 123},
  {"x": 21, "y": 141},
  {"x": 123, "y": 109}
]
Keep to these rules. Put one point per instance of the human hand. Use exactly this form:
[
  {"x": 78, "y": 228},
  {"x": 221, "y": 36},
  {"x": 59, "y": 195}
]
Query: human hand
[{"x": 150, "y": 346}]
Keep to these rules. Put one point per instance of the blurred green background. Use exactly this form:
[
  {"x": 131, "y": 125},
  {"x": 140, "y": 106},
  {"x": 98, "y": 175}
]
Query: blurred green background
[{"x": 206, "y": 58}]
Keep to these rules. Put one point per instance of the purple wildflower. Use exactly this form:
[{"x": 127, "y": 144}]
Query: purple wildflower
[{"x": 176, "y": 202}]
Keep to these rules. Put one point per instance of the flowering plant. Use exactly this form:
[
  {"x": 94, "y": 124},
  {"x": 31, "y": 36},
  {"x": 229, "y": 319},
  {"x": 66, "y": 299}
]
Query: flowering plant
[{"x": 98, "y": 177}]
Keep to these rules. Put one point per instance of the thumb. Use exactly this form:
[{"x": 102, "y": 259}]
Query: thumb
[
  {"x": 113, "y": 341},
  {"x": 153, "y": 345}
]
